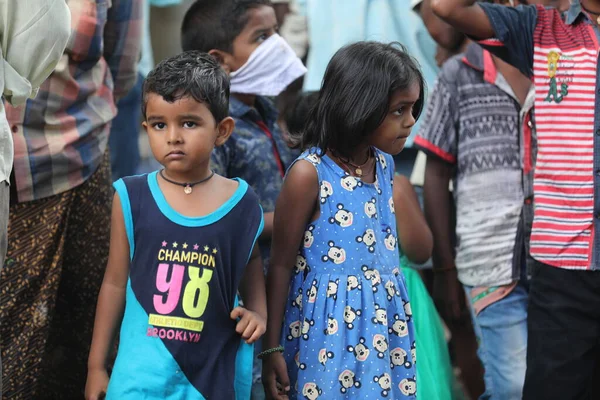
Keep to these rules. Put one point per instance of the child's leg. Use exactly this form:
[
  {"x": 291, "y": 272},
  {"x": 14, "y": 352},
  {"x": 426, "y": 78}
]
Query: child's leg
[{"x": 501, "y": 329}]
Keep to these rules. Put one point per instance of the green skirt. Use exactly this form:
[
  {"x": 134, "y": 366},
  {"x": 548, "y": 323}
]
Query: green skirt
[{"x": 434, "y": 370}]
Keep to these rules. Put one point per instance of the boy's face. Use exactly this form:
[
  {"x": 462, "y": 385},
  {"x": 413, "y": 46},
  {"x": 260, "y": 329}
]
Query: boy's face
[
  {"x": 261, "y": 25},
  {"x": 182, "y": 134}
]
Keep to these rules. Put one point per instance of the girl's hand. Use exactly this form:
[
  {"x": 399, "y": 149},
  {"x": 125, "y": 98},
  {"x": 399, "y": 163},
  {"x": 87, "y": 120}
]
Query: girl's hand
[
  {"x": 97, "y": 382},
  {"x": 275, "y": 377},
  {"x": 250, "y": 325}
]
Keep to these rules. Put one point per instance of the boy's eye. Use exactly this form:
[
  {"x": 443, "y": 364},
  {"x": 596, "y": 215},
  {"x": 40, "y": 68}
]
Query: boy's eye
[
  {"x": 159, "y": 125},
  {"x": 189, "y": 124}
]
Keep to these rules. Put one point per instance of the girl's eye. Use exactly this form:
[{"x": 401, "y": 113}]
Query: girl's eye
[
  {"x": 159, "y": 126},
  {"x": 399, "y": 111},
  {"x": 189, "y": 124}
]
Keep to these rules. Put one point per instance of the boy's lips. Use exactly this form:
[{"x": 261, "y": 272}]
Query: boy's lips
[{"x": 175, "y": 155}]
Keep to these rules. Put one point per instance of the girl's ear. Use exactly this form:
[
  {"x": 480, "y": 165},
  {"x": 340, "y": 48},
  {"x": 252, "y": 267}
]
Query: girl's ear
[{"x": 224, "y": 130}]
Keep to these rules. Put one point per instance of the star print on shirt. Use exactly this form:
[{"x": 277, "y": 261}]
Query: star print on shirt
[
  {"x": 174, "y": 244},
  {"x": 185, "y": 245},
  {"x": 164, "y": 244},
  {"x": 196, "y": 247},
  {"x": 215, "y": 251},
  {"x": 206, "y": 248}
]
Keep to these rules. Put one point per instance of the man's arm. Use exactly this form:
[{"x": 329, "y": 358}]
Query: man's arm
[
  {"x": 123, "y": 42},
  {"x": 466, "y": 16},
  {"x": 33, "y": 35},
  {"x": 444, "y": 34}
]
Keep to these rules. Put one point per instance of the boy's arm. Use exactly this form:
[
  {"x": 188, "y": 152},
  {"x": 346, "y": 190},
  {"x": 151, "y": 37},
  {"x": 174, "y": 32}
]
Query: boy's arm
[
  {"x": 505, "y": 31},
  {"x": 444, "y": 34},
  {"x": 267, "y": 232},
  {"x": 111, "y": 303},
  {"x": 253, "y": 317}
]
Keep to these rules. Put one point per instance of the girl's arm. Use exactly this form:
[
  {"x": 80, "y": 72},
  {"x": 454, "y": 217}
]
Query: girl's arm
[
  {"x": 295, "y": 208},
  {"x": 111, "y": 303},
  {"x": 413, "y": 232},
  {"x": 253, "y": 316}
]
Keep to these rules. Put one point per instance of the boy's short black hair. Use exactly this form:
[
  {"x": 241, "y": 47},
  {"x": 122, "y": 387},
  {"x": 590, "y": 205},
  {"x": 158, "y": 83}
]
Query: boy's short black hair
[
  {"x": 298, "y": 113},
  {"x": 194, "y": 74},
  {"x": 214, "y": 24}
]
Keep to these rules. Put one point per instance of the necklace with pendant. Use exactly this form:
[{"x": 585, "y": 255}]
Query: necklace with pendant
[
  {"x": 187, "y": 187},
  {"x": 358, "y": 169}
]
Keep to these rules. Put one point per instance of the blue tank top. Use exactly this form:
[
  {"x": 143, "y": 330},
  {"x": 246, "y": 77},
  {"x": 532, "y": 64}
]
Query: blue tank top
[{"x": 177, "y": 339}]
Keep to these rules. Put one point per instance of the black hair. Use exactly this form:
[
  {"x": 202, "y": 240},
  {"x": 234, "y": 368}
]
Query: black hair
[
  {"x": 194, "y": 74},
  {"x": 297, "y": 114},
  {"x": 214, "y": 24},
  {"x": 355, "y": 95}
]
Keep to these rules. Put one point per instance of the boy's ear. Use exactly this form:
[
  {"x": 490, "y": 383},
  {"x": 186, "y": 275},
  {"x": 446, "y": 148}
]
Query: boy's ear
[
  {"x": 224, "y": 130},
  {"x": 222, "y": 57},
  {"x": 145, "y": 126}
]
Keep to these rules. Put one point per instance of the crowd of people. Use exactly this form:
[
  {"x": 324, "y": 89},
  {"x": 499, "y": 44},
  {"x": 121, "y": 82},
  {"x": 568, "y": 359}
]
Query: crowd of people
[{"x": 341, "y": 186}]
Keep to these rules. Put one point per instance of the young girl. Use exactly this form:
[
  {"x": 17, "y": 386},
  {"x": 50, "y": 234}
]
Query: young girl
[
  {"x": 348, "y": 331},
  {"x": 182, "y": 243}
]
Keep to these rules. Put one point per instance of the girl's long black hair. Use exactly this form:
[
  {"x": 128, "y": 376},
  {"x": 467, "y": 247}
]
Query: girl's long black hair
[{"x": 355, "y": 95}]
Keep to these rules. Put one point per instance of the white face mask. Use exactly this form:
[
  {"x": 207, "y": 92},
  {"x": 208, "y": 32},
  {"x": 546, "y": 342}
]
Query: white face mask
[{"x": 269, "y": 70}]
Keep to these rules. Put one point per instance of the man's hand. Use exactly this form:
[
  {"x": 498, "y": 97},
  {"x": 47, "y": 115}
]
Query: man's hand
[
  {"x": 250, "y": 324},
  {"x": 449, "y": 295}
]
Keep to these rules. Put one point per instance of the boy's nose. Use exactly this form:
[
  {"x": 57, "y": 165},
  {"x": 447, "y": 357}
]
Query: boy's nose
[{"x": 174, "y": 136}]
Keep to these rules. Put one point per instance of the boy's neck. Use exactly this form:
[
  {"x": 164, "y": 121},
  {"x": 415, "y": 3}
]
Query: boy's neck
[
  {"x": 247, "y": 99},
  {"x": 591, "y": 5}
]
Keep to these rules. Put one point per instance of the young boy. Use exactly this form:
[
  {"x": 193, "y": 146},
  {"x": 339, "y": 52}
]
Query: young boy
[
  {"x": 558, "y": 50},
  {"x": 182, "y": 246},
  {"x": 242, "y": 36}
]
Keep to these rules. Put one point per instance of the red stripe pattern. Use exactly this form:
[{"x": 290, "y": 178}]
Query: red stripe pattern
[{"x": 564, "y": 66}]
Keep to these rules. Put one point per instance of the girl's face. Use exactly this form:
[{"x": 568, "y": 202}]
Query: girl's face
[{"x": 390, "y": 137}]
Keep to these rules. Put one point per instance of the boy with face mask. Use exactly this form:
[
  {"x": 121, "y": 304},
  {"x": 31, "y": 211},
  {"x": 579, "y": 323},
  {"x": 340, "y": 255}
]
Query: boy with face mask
[{"x": 242, "y": 36}]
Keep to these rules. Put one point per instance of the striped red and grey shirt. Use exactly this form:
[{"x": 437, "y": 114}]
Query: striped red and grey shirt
[{"x": 559, "y": 51}]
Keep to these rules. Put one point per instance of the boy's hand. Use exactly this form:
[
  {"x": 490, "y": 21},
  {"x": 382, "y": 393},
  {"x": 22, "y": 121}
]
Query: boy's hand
[
  {"x": 276, "y": 381},
  {"x": 97, "y": 382},
  {"x": 250, "y": 325}
]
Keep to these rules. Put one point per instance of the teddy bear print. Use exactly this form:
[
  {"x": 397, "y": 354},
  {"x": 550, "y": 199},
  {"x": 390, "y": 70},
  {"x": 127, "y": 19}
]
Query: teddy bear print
[
  {"x": 350, "y": 315},
  {"x": 332, "y": 289},
  {"x": 297, "y": 302},
  {"x": 371, "y": 208},
  {"x": 309, "y": 238},
  {"x": 332, "y": 326},
  {"x": 399, "y": 327},
  {"x": 311, "y": 391},
  {"x": 306, "y": 325},
  {"x": 311, "y": 295},
  {"x": 390, "y": 240},
  {"x": 350, "y": 183},
  {"x": 294, "y": 330},
  {"x": 396, "y": 271},
  {"x": 301, "y": 264},
  {"x": 408, "y": 386},
  {"x": 382, "y": 161},
  {"x": 380, "y": 344},
  {"x": 413, "y": 352},
  {"x": 399, "y": 357},
  {"x": 385, "y": 383},
  {"x": 326, "y": 191},
  {"x": 347, "y": 381},
  {"x": 325, "y": 356},
  {"x": 391, "y": 204},
  {"x": 379, "y": 191},
  {"x": 353, "y": 283},
  {"x": 360, "y": 351},
  {"x": 314, "y": 158},
  {"x": 407, "y": 309},
  {"x": 342, "y": 217},
  {"x": 368, "y": 238},
  {"x": 336, "y": 255},
  {"x": 390, "y": 288},
  {"x": 373, "y": 276},
  {"x": 300, "y": 365},
  {"x": 380, "y": 315}
]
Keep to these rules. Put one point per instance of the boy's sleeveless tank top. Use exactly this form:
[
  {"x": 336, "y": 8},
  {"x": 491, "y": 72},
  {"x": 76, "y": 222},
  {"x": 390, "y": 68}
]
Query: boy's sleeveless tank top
[{"x": 177, "y": 340}]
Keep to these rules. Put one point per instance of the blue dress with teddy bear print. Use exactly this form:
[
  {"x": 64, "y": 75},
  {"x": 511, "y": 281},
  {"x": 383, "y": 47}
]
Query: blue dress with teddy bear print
[{"x": 348, "y": 332}]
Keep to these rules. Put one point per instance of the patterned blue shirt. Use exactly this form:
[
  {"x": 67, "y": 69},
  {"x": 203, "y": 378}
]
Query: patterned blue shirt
[{"x": 255, "y": 152}]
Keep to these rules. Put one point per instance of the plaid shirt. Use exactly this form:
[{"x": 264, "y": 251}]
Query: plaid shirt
[{"x": 61, "y": 136}]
